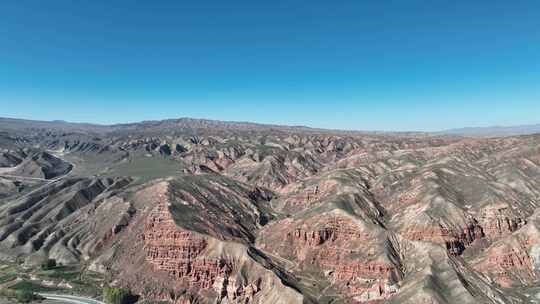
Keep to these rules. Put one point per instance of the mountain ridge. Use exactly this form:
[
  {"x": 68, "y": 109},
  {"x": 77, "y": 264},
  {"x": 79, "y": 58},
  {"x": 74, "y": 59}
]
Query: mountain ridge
[{"x": 187, "y": 122}]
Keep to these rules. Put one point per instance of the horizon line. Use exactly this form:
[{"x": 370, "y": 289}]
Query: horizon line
[{"x": 299, "y": 126}]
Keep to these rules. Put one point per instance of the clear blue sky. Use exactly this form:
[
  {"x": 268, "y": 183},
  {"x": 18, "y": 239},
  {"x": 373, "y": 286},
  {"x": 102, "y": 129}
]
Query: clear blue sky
[{"x": 371, "y": 65}]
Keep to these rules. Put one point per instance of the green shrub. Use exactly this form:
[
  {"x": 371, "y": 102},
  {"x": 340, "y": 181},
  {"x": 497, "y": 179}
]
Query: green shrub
[
  {"x": 20, "y": 295},
  {"x": 48, "y": 264},
  {"x": 113, "y": 295},
  {"x": 24, "y": 296}
]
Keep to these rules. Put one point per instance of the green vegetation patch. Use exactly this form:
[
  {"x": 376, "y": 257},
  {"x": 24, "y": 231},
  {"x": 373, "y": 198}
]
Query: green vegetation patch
[
  {"x": 114, "y": 295},
  {"x": 6, "y": 277},
  {"x": 60, "y": 274},
  {"x": 21, "y": 296},
  {"x": 32, "y": 286},
  {"x": 146, "y": 168}
]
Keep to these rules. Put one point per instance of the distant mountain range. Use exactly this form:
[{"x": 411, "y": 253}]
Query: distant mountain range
[
  {"x": 194, "y": 123},
  {"x": 493, "y": 131}
]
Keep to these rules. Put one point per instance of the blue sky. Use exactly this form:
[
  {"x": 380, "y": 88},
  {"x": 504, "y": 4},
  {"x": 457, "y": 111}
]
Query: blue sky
[{"x": 369, "y": 65}]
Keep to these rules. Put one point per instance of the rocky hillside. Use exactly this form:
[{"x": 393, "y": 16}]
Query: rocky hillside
[{"x": 197, "y": 211}]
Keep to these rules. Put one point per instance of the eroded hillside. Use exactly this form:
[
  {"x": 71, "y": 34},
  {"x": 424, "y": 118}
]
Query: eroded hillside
[{"x": 195, "y": 211}]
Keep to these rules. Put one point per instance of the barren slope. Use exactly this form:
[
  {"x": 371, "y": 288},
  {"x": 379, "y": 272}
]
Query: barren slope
[{"x": 196, "y": 211}]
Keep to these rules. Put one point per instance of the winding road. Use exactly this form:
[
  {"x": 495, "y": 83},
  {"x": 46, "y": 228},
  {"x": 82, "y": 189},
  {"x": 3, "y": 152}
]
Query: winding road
[
  {"x": 67, "y": 299},
  {"x": 52, "y": 298},
  {"x": 57, "y": 154}
]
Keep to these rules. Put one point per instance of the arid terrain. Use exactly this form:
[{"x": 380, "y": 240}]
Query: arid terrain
[{"x": 200, "y": 211}]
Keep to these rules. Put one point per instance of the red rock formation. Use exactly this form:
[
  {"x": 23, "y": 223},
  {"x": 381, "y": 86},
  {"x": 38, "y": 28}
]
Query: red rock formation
[
  {"x": 507, "y": 266},
  {"x": 333, "y": 229},
  {"x": 174, "y": 250},
  {"x": 498, "y": 220},
  {"x": 235, "y": 289},
  {"x": 455, "y": 240},
  {"x": 346, "y": 252},
  {"x": 409, "y": 198},
  {"x": 364, "y": 280},
  {"x": 306, "y": 197},
  {"x": 182, "y": 254}
]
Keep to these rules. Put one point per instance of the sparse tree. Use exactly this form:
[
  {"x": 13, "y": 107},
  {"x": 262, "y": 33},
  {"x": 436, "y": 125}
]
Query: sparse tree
[
  {"x": 114, "y": 295},
  {"x": 48, "y": 264},
  {"x": 25, "y": 296}
]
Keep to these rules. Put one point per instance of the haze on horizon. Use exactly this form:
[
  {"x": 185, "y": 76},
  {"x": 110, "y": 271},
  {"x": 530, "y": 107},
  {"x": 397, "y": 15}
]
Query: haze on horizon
[{"x": 414, "y": 66}]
